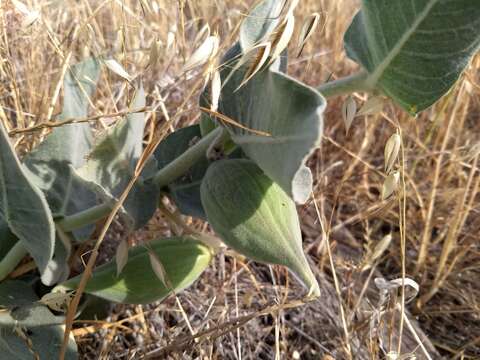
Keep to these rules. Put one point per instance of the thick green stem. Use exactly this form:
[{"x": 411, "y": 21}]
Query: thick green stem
[
  {"x": 180, "y": 165},
  {"x": 12, "y": 259},
  {"x": 346, "y": 85},
  {"x": 85, "y": 217}
]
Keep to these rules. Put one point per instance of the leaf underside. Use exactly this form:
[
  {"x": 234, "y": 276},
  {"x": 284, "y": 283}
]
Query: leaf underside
[{"x": 414, "y": 50}]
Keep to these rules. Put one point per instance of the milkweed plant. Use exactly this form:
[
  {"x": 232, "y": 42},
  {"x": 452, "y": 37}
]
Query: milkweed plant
[{"x": 264, "y": 123}]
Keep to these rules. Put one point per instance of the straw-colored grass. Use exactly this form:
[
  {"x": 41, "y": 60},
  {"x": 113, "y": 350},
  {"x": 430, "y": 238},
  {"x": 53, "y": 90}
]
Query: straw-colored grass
[{"x": 245, "y": 310}]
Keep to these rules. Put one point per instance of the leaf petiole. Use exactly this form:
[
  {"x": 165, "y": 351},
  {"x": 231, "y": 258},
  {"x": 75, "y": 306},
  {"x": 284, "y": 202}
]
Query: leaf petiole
[{"x": 346, "y": 85}]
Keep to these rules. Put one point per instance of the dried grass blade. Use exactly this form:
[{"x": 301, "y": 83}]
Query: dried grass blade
[
  {"x": 308, "y": 28},
  {"x": 118, "y": 69},
  {"x": 392, "y": 149},
  {"x": 282, "y": 36},
  {"x": 204, "y": 52},
  {"x": 372, "y": 106},
  {"x": 215, "y": 90},
  {"x": 121, "y": 255},
  {"x": 233, "y": 122},
  {"x": 349, "y": 109},
  {"x": 261, "y": 56}
]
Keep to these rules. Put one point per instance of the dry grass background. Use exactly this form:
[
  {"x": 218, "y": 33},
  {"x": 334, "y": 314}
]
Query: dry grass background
[{"x": 440, "y": 223}]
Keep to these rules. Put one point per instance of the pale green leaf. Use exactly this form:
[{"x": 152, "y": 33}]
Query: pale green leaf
[
  {"x": 67, "y": 147},
  {"x": 23, "y": 206},
  {"x": 414, "y": 50},
  {"x": 20, "y": 307},
  {"x": 111, "y": 165},
  {"x": 291, "y": 112},
  {"x": 51, "y": 164},
  {"x": 255, "y": 217},
  {"x": 183, "y": 260},
  {"x": 24, "y": 317},
  {"x": 7, "y": 238}
]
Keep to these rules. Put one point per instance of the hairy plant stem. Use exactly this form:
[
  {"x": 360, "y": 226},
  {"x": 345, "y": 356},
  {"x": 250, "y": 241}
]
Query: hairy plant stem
[
  {"x": 85, "y": 217},
  {"x": 12, "y": 259},
  {"x": 163, "y": 177},
  {"x": 180, "y": 165},
  {"x": 346, "y": 85}
]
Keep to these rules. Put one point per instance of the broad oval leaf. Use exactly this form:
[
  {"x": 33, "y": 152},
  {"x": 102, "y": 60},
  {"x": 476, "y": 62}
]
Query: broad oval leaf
[
  {"x": 255, "y": 217},
  {"x": 7, "y": 238},
  {"x": 414, "y": 51},
  {"x": 24, "y": 207},
  {"x": 21, "y": 307},
  {"x": 45, "y": 343},
  {"x": 183, "y": 259},
  {"x": 51, "y": 163},
  {"x": 291, "y": 112},
  {"x": 24, "y": 317},
  {"x": 111, "y": 165}
]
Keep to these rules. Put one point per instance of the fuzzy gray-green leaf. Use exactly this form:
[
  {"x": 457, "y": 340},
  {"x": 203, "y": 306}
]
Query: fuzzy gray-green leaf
[
  {"x": 7, "y": 238},
  {"x": 414, "y": 50},
  {"x": 291, "y": 112},
  {"x": 255, "y": 217},
  {"x": 23, "y": 206},
  {"x": 23, "y": 317},
  {"x": 52, "y": 162},
  {"x": 22, "y": 307},
  {"x": 111, "y": 165}
]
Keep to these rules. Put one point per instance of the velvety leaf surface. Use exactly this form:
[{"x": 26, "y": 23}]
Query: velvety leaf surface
[
  {"x": 291, "y": 112},
  {"x": 183, "y": 259},
  {"x": 7, "y": 238},
  {"x": 254, "y": 216},
  {"x": 46, "y": 344},
  {"x": 111, "y": 165},
  {"x": 186, "y": 190},
  {"x": 58, "y": 269},
  {"x": 37, "y": 323},
  {"x": 22, "y": 308},
  {"x": 52, "y": 162},
  {"x": 23, "y": 206},
  {"x": 414, "y": 50}
]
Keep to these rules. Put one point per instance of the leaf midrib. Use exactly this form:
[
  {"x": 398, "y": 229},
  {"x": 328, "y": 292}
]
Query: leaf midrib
[{"x": 372, "y": 80}]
